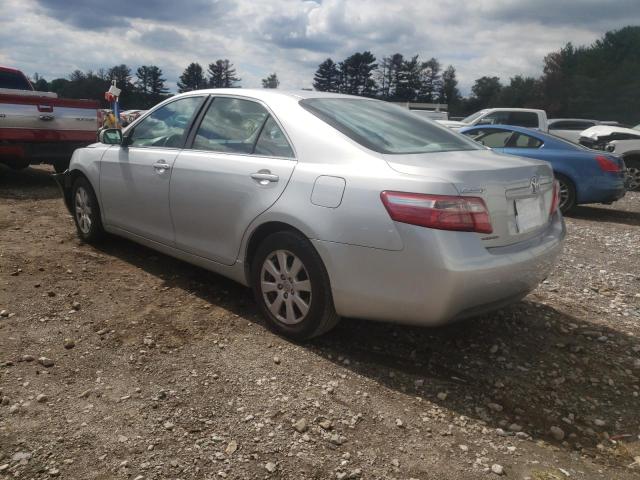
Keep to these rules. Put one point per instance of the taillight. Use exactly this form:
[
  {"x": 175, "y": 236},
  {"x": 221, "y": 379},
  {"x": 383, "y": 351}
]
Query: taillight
[
  {"x": 555, "y": 199},
  {"x": 606, "y": 164},
  {"x": 443, "y": 212}
]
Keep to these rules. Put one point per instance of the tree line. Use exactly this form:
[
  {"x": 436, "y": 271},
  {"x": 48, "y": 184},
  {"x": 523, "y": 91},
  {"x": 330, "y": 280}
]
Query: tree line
[
  {"x": 147, "y": 86},
  {"x": 394, "y": 78},
  {"x": 599, "y": 81}
]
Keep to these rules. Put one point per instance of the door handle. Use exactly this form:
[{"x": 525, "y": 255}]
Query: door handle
[
  {"x": 46, "y": 118},
  {"x": 161, "y": 166},
  {"x": 264, "y": 177}
]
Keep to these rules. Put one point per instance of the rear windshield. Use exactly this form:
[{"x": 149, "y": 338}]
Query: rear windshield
[
  {"x": 13, "y": 80},
  {"x": 385, "y": 128}
]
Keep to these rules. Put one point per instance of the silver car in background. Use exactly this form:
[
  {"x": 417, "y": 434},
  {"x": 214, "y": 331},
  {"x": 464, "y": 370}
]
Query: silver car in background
[{"x": 326, "y": 205}]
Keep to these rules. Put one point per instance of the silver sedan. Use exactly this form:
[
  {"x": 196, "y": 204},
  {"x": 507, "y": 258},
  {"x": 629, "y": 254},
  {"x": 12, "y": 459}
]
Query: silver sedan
[{"x": 326, "y": 205}]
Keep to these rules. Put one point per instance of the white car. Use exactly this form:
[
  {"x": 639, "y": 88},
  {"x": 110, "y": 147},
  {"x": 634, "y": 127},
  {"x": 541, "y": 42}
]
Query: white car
[
  {"x": 570, "y": 128},
  {"x": 624, "y": 142}
]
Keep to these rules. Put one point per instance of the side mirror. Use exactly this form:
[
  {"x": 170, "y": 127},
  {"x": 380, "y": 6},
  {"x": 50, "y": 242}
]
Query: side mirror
[{"x": 110, "y": 136}]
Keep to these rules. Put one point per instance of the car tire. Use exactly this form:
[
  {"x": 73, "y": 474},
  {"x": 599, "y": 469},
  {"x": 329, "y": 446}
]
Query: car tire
[
  {"x": 567, "y": 194},
  {"x": 86, "y": 211},
  {"x": 60, "y": 165},
  {"x": 287, "y": 273},
  {"x": 633, "y": 174}
]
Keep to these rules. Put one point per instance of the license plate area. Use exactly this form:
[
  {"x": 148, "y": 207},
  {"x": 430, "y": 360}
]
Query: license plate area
[{"x": 530, "y": 213}]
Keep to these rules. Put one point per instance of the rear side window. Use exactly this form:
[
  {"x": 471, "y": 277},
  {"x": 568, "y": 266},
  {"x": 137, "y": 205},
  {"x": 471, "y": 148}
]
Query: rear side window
[
  {"x": 272, "y": 142},
  {"x": 520, "y": 140},
  {"x": 14, "y": 81},
  {"x": 230, "y": 125},
  {"x": 523, "y": 119},
  {"x": 385, "y": 128}
]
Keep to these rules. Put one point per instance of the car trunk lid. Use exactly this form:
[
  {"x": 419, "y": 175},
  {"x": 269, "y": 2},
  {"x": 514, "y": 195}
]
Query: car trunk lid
[{"x": 517, "y": 192}]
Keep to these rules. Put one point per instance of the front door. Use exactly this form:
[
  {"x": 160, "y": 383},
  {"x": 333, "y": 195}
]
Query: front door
[
  {"x": 238, "y": 166},
  {"x": 134, "y": 178}
]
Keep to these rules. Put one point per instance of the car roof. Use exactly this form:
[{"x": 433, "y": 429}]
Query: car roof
[
  {"x": 9, "y": 69},
  {"x": 270, "y": 93}
]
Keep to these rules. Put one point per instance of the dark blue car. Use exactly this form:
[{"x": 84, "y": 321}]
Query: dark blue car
[{"x": 585, "y": 175}]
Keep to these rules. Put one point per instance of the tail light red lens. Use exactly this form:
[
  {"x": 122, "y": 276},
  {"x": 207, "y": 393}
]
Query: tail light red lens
[
  {"x": 555, "y": 199},
  {"x": 443, "y": 212},
  {"x": 606, "y": 164}
]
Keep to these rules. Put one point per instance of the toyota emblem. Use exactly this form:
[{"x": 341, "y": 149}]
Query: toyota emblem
[{"x": 535, "y": 184}]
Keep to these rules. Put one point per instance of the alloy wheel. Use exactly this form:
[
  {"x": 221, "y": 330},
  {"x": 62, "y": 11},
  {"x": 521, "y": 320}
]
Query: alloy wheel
[
  {"x": 286, "y": 287},
  {"x": 633, "y": 178},
  {"x": 83, "y": 210},
  {"x": 564, "y": 195}
]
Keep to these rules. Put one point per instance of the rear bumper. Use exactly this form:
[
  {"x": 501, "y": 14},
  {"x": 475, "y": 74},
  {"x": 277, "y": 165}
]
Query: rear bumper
[
  {"x": 39, "y": 152},
  {"x": 439, "y": 276},
  {"x": 604, "y": 191}
]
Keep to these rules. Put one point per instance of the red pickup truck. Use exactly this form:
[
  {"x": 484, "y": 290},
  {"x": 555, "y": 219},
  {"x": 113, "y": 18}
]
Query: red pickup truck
[{"x": 38, "y": 127}]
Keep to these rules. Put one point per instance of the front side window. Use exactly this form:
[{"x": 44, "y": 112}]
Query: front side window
[
  {"x": 230, "y": 125},
  {"x": 166, "y": 126},
  {"x": 385, "y": 128},
  {"x": 491, "y": 138}
]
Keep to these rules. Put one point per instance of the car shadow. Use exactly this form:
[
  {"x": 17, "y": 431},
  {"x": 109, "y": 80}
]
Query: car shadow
[
  {"x": 29, "y": 183},
  {"x": 529, "y": 364},
  {"x": 600, "y": 214}
]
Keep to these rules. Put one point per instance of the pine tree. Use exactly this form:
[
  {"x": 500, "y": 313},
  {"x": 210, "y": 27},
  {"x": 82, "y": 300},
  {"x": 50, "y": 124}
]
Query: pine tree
[
  {"x": 431, "y": 81},
  {"x": 449, "y": 92},
  {"x": 357, "y": 74},
  {"x": 192, "y": 78},
  {"x": 327, "y": 77},
  {"x": 271, "y": 81},
  {"x": 222, "y": 74}
]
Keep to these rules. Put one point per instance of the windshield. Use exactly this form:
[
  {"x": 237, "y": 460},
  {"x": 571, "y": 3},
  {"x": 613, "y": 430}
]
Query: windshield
[
  {"x": 385, "y": 128},
  {"x": 472, "y": 117}
]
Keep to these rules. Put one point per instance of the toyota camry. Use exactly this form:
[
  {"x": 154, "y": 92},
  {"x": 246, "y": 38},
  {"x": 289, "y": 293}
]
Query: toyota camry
[{"x": 326, "y": 205}]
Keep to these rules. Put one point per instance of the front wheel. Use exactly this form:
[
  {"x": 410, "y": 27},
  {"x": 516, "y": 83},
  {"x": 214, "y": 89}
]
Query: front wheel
[
  {"x": 86, "y": 211},
  {"x": 60, "y": 165},
  {"x": 567, "y": 194},
  {"x": 291, "y": 287}
]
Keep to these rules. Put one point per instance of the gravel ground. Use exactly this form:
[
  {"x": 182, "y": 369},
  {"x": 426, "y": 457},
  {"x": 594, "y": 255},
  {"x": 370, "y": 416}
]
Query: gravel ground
[{"x": 119, "y": 362}]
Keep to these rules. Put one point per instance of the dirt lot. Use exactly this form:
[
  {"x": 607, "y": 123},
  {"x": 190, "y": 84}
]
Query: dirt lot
[{"x": 162, "y": 370}]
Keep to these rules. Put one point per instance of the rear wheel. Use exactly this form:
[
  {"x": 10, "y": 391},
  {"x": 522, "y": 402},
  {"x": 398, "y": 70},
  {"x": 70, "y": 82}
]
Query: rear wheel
[
  {"x": 291, "y": 286},
  {"x": 86, "y": 211},
  {"x": 633, "y": 174},
  {"x": 567, "y": 194}
]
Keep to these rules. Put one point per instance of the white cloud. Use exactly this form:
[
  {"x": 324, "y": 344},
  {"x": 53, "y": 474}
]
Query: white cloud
[{"x": 290, "y": 37}]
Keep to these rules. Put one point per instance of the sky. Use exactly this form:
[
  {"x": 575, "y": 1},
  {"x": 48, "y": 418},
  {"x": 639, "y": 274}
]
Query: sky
[{"x": 291, "y": 37}]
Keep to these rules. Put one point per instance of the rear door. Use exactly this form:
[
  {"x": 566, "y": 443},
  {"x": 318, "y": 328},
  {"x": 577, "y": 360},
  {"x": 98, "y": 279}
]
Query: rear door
[
  {"x": 134, "y": 179},
  {"x": 238, "y": 165}
]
